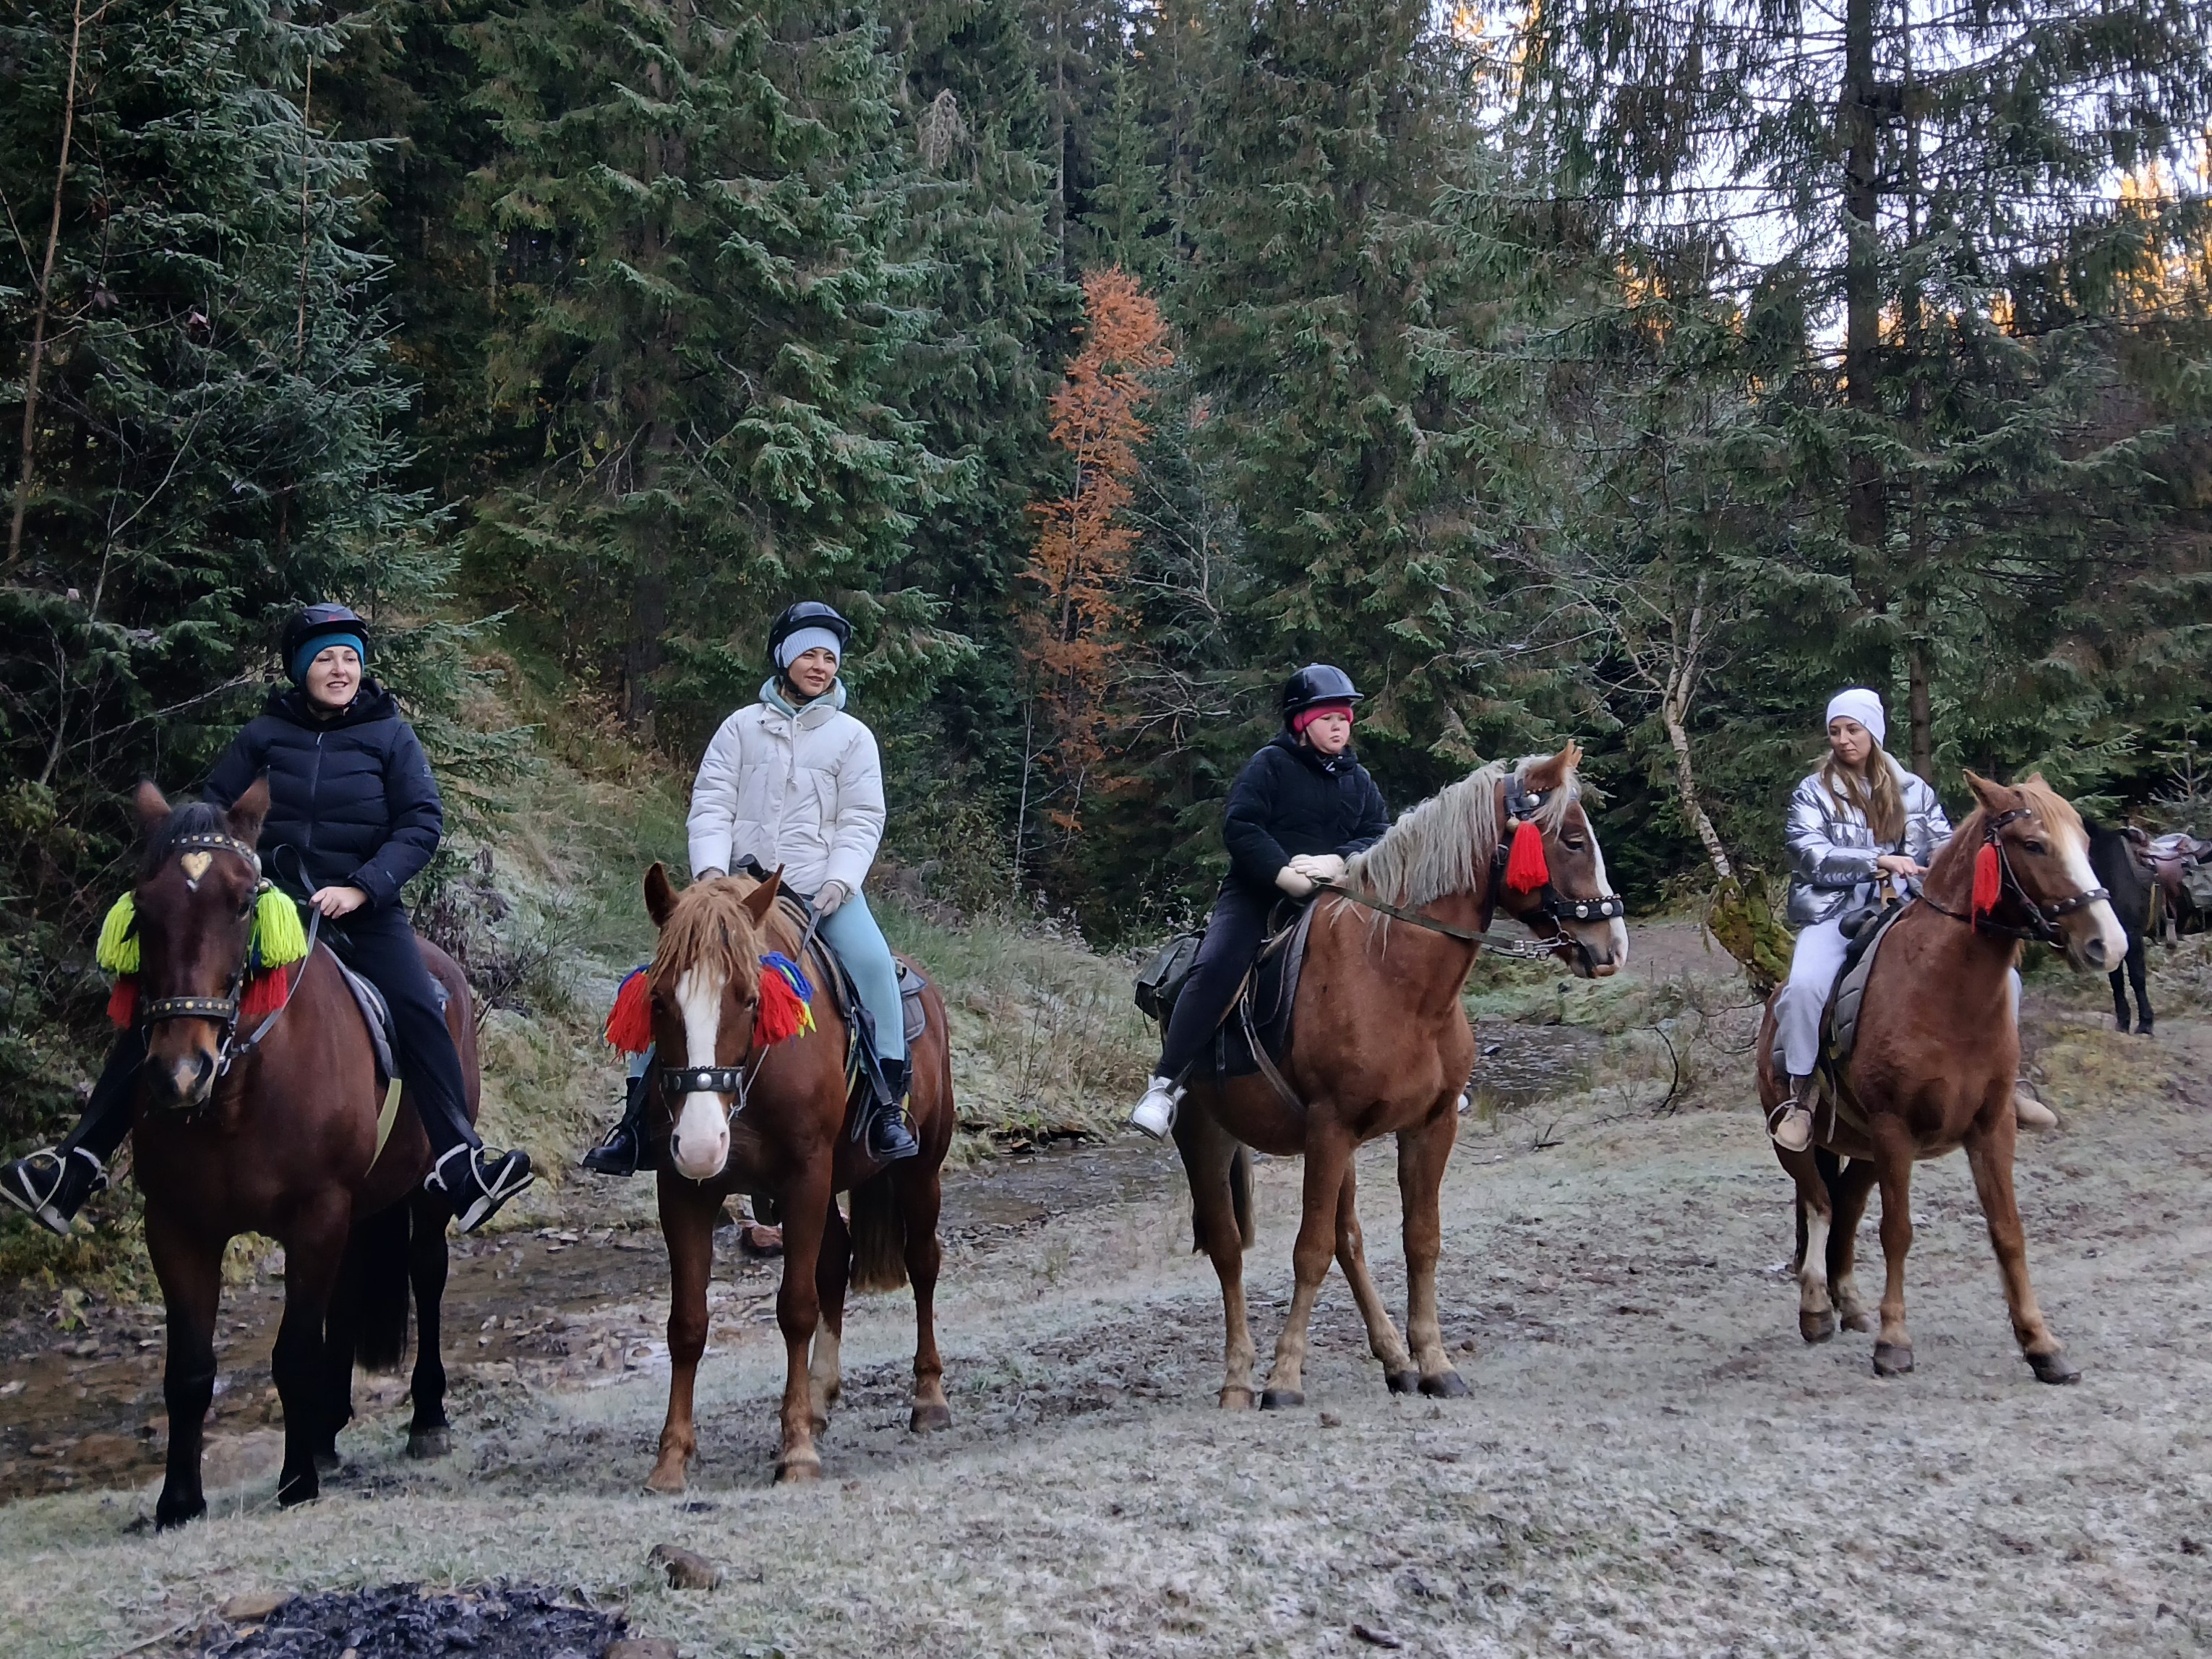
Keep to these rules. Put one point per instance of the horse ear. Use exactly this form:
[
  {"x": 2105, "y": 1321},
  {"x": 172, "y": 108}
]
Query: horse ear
[
  {"x": 762, "y": 899},
  {"x": 660, "y": 897},
  {"x": 247, "y": 813},
  {"x": 1549, "y": 775},
  {"x": 1991, "y": 794},
  {"x": 153, "y": 806}
]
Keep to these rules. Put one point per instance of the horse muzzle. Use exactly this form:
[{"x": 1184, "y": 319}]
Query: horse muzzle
[
  {"x": 183, "y": 1076},
  {"x": 698, "y": 1144}
]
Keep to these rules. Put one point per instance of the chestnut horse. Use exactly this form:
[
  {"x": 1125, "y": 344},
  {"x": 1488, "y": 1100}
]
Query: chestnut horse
[
  {"x": 1379, "y": 1044},
  {"x": 277, "y": 1136},
  {"x": 772, "y": 1121},
  {"x": 1933, "y": 1065}
]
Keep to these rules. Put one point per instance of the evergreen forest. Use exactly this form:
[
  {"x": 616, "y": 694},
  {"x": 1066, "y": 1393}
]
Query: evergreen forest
[{"x": 1638, "y": 371}]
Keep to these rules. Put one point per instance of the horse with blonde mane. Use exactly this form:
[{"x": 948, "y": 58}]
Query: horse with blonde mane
[
  {"x": 739, "y": 1116},
  {"x": 1932, "y": 1064},
  {"x": 1379, "y": 1044}
]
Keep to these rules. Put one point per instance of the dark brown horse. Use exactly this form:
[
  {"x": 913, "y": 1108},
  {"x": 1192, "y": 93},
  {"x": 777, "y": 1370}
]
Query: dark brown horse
[
  {"x": 1379, "y": 1044},
  {"x": 279, "y": 1139},
  {"x": 1934, "y": 1063},
  {"x": 734, "y": 1117}
]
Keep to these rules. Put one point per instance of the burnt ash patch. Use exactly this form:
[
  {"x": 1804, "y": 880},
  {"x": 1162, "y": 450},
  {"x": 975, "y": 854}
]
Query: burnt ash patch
[{"x": 397, "y": 1621}]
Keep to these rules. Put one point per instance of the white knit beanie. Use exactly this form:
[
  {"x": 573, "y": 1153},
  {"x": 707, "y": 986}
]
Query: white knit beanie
[{"x": 1857, "y": 703}]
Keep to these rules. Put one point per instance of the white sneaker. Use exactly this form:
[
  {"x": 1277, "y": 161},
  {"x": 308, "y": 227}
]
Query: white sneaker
[{"x": 1155, "y": 1113}]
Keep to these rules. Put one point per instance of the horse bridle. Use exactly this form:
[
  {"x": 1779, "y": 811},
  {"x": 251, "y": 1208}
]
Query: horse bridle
[
  {"x": 734, "y": 1082},
  {"x": 2042, "y": 919},
  {"x": 153, "y": 1010}
]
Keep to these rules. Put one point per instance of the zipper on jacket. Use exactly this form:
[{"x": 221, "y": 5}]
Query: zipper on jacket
[{"x": 315, "y": 785}]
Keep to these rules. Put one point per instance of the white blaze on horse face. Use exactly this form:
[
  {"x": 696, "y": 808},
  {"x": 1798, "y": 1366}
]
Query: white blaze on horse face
[
  {"x": 700, "y": 1144},
  {"x": 2072, "y": 847},
  {"x": 1616, "y": 928}
]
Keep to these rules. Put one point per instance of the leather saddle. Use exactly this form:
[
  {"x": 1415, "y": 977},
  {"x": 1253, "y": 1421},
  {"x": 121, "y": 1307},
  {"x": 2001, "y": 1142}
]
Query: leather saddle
[
  {"x": 845, "y": 996},
  {"x": 1840, "y": 1019},
  {"x": 376, "y": 1014},
  {"x": 1254, "y": 1032}
]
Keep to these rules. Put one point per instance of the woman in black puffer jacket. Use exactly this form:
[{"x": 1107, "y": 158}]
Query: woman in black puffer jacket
[
  {"x": 1298, "y": 811},
  {"x": 354, "y": 815}
]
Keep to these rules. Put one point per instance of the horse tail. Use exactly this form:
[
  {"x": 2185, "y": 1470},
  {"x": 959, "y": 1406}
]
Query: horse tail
[
  {"x": 374, "y": 1283},
  {"x": 878, "y": 1230}
]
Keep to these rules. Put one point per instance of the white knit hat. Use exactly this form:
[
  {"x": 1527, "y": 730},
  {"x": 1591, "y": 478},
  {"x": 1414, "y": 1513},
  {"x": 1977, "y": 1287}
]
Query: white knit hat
[
  {"x": 796, "y": 644},
  {"x": 1857, "y": 703}
]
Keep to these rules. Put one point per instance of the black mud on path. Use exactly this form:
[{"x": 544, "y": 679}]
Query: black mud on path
[
  {"x": 499, "y": 1621},
  {"x": 560, "y": 1307}
]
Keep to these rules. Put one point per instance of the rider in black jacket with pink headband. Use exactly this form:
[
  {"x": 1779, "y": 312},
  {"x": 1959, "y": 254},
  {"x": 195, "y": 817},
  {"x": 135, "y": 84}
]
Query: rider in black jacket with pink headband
[
  {"x": 1299, "y": 809},
  {"x": 354, "y": 815}
]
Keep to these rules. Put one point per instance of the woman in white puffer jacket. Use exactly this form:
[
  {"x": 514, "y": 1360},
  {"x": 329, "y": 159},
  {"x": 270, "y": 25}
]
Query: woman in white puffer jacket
[{"x": 793, "y": 782}]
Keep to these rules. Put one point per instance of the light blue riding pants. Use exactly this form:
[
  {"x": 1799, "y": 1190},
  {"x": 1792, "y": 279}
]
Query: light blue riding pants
[
  {"x": 852, "y": 932},
  {"x": 1813, "y": 965}
]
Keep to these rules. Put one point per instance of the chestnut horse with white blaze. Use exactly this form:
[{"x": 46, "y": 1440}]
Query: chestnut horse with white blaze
[
  {"x": 1379, "y": 1044},
  {"x": 1934, "y": 1063},
  {"x": 771, "y": 1120}
]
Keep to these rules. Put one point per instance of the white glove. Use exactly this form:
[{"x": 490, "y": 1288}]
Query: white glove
[
  {"x": 833, "y": 894},
  {"x": 1319, "y": 866},
  {"x": 1294, "y": 881}
]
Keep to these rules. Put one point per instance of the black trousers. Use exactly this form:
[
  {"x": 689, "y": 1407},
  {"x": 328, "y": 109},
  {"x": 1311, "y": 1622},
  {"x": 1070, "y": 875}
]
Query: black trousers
[
  {"x": 1233, "y": 935},
  {"x": 379, "y": 946}
]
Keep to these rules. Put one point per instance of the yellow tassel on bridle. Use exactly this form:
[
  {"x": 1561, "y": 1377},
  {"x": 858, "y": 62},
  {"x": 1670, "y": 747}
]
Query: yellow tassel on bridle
[
  {"x": 119, "y": 937},
  {"x": 278, "y": 939}
]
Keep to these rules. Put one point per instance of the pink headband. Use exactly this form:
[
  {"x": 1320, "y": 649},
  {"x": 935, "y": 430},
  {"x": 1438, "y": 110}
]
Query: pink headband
[{"x": 1306, "y": 717}]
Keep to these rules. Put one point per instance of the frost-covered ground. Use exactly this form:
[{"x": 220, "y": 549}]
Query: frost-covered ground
[{"x": 1651, "y": 1463}]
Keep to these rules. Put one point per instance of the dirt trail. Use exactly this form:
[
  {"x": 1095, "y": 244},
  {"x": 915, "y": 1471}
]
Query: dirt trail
[{"x": 1652, "y": 1462}]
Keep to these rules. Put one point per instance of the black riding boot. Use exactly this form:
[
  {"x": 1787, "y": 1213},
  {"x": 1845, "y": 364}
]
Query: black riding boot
[
  {"x": 624, "y": 1148},
  {"x": 889, "y": 1138},
  {"x": 51, "y": 1186}
]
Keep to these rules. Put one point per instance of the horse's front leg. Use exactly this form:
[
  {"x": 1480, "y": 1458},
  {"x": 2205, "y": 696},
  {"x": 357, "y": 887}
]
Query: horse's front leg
[
  {"x": 1423, "y": 1151},
  {"x": 1989, "y": 1152},
  {"x": 190, "y": 1268},
  {"x": 1892, "y": 1343},
  {"x": 805, "y": 1205},
  {"x": 314, "y": 1248},
  {"x": 687, "y": 1223},
  {"x": 1328, "y": 1150}
]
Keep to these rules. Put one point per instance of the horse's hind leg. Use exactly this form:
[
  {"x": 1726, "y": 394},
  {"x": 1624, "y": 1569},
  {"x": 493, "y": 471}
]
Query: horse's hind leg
[
  {"x": 687, "y": 1223},
  {"x": 826, "y": 1376},
  {"x": 428, "y": 1434},
  {"x": 1816, "y": 1315},
  {"x": 1848, "y": 1190},
  {"x": 314, "y": 1248},
  {"x": 919, "y": 1191},
  {"x": 1422, "y": 1154},
  {"x": 2118, "y": 980},
  {"x": 2138, "y": 977},
  {"x": 1211, "y": 1162},
  {"x": 190, "y": 1268},
  {"x": 1382, "y": 1339},
  {"x": 1989, "y": 1151}
]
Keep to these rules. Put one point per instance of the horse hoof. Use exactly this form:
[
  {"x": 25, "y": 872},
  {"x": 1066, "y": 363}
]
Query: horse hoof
[
  {"x": 797, "y": 1471},
  {"x": 1816, "y": 1326},
  {"x": 298, "y": 1489},
  {"x": 1445, "y": 1385},
  {"x": 1892, "y": 1359},
  {"x": 1237, "y": 1400},
  {"x": 1403, "y": 1382},
  {"x": 423, "y": 1444},
  {"x": 2053, "y": 1368},
  {"x": 1858, "y": 1322},
  {"x": 927, "y": 1419},
  {"x": 1280, "y": 1399},
  {"x": 169, "y": 1515},
  {"x": 666, "y": 1481}
]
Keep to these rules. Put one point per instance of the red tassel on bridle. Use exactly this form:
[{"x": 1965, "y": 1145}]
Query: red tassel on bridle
[
  {"x": 265, "y": 995},
  {"x": 1989, "y": 879},
  {"x": 630, "y": 1022},
  {"x": 123, "y": 1001},
  {"x": 1525, "y": 868},
  {"x": 780, "y": 1015}
]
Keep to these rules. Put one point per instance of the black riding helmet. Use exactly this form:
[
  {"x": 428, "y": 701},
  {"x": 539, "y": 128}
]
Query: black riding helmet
[
  {"x": 1318, "y": 683},
  {"x": 807, "y": 613},
  {"x": 315, "y": 622}
]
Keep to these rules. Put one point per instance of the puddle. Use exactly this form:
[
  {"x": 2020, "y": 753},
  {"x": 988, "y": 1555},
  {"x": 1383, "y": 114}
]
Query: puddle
[{"x": 1515, "y": 1066}]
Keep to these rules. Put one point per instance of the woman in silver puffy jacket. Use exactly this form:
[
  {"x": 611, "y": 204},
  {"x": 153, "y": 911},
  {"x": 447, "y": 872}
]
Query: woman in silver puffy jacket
[{"x": 1859, "y": 818}]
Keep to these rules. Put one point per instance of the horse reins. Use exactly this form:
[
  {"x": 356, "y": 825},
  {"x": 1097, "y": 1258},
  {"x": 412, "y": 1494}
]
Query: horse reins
[{"x": 2043, "y": 927}]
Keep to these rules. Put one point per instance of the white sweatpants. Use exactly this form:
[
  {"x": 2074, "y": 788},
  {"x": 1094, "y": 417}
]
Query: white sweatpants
[{"x": 1813, "y": 965}]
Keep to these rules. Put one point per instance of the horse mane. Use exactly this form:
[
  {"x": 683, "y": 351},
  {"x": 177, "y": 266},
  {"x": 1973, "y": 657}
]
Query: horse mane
[
  {"x": 711, "y": 925},
  {"x": 194, "y": 817},
  {"x": 1445, "y": 844}
]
